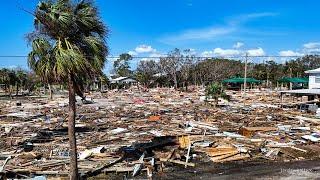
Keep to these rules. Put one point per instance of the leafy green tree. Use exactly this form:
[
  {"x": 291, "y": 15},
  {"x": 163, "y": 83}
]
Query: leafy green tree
[
  {"x": 21, "y": 79},
  {"x": 68, "y": 44},
  {"x": 215, "y": 91},
  {"x": 5, "y": 78},
  {"x": 121, "y": 65},
  {"x": 9, "y": 79}
]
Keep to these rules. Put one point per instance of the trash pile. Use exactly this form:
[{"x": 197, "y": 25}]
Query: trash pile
[{"x": 148, "y": 132}]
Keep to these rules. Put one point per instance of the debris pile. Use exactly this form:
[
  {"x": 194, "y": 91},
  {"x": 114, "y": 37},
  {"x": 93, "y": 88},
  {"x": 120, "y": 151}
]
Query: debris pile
[{"x": 133, "y": 131}]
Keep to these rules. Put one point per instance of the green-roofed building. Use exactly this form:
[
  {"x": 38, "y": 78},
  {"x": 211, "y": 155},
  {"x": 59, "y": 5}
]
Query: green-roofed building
[
  {"x": 241, "y": 80},
  {"x": 236, "y": 83},
  {"x": 295, "y": 82}
]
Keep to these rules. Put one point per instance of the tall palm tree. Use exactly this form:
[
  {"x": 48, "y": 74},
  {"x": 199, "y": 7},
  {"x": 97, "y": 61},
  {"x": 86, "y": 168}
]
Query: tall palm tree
[{"x": 68, "y": 44}]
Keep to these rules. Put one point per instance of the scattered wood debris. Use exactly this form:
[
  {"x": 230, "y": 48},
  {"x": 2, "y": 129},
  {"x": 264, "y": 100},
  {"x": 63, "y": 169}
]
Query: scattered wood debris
[{"x": 127, "y": 131}]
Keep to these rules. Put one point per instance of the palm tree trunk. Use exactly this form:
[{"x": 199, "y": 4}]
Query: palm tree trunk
[
  {"x": 17, "y": 89},
  {"x": 10, "y": 91},
  {"x": 50, "y": 92},
  {"x": 71, "y": 131}
]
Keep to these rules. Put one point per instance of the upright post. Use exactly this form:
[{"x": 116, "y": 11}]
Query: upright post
[{"x": 245, "y": 75}]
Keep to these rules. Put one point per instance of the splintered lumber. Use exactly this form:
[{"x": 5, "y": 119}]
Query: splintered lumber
[
  {"x": 64, "y": 173},
  {"x": 236, "y": 157},
  {"x": 177, "y": 162},
  {"x": 139, "y": 166},
  {"x": 188, "y": 154},
  {"x": 119, "y": 169},
  {"x": 218, "y": 151},
  {"x": 299, "y": 149},
  {"x": 311, "y": 120},
  {"x": 218, "y": 158},
  {"x": 184, "y": 142},
  {"x": 250, "y": 131},
  {"x": 5, "y": 163}
]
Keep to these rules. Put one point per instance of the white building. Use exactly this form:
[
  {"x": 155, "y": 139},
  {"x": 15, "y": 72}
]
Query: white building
[
  {"x": 125, "y": 80},
  {"x": 314, "y": 78}
]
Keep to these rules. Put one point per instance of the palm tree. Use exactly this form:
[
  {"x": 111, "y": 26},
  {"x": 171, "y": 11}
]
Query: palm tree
[
  {"x": 216, "y": 91},
  {"x": 68, "y": 44}
]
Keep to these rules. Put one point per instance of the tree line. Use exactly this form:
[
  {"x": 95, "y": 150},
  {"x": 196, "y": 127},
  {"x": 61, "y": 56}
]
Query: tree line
[
  {"x": 178, "y": 69},
  {"x": 182, "y": 68}
]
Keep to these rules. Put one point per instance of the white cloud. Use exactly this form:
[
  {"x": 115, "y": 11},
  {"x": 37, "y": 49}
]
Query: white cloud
[
  {"x": 144, "y": 59},
  {"x": 157, "y": 54},
  {"x": 207, "y": 54},
  {"x": 290, "y": 53},
  {"x": 153, "y": 56},
  {"x": 10, "y": 67},
  {"x": 226, "y": 52},
  {"x": 144, "y": 49},
  {"x": 312, "y": 45},
  {"x": 133, "y": 53},
  {"x": 231, "y": 26},
  {"x": 307, "y": 48},
  {"x": 189, "y": 52},
  {"x": 221, "y": 52},
  {"x": 238, "y": 45},
  {"x": 256, "y": 52},
  {"x": 247, "y": 17},
  {"x": 311, "y": 48},
  {"x": 200, "y": 34},
  {"x": 192, "y": 51}
]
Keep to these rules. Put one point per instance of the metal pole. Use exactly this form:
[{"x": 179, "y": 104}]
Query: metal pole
[{"x": 245, "y": 74}]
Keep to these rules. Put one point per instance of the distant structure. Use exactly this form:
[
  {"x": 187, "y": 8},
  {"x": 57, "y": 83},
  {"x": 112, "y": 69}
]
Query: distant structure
[
  {"x": 123, "y": 80},
  {"x": 313, "y": 92},
  {"x": 314, "y": 78}
]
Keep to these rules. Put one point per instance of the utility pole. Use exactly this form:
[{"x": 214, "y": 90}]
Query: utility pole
[{"x": 245, "y": 74}]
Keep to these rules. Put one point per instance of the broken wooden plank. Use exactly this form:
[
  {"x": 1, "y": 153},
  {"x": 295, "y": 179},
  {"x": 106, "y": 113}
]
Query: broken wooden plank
[
  {"x": 250, "y": 131},
  {"x": 178, "y": 162},
  {"x": 218, "y": 158},
  {"x": 236, "y": 157},
  {"x": 4, "y": 164},
  {"x": 218, "y": 151}
]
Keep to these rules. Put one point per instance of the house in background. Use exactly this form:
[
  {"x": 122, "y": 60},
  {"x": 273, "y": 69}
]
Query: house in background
[
  {"x": 123, "y": 80},
  {"x": 313, "y": 92},
  {"x": 314, "y": 78}
]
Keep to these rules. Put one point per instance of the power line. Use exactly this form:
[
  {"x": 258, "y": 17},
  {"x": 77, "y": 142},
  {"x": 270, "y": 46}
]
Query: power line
[{"x": 140, "y": 57}]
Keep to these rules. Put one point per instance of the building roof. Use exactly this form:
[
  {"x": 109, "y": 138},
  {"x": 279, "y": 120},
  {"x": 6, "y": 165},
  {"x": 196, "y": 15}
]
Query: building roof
[
  {"x": 241, "y": 80},
  {"x": 160, "y": 74},
  {"x": 293, "y": 80},
  {"x": 122, "y": 79},
  {"x": 313, "y": 71}
]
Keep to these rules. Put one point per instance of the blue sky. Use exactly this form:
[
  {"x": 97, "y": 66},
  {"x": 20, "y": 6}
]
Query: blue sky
[{"x": 208, "y": 27}]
